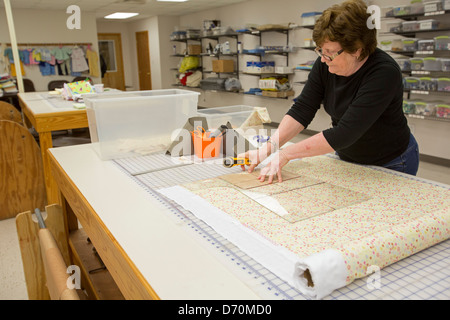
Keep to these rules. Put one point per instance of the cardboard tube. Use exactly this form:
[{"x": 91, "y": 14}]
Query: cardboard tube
[{"x": 55, "y": 267}]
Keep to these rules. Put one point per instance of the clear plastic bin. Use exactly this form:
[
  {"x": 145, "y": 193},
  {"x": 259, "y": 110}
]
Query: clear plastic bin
[
  {"x": 430, "y": 109},
  {"x": 122, "y": 124},
  {"x": 432, "y": 64},
  {"x": 446, "y": 4},
  {"x": 445, "y": 63},
  {"x": 443, "y": 111},
  {"x": 416, "y": 63},
  {"x": 397, "y": 45},
  {"x": 405, "y": 64},
  {"x": 411, "y": 83},
  {"x": 420, "y": 108},
  {"x": 216, "y": 117},
  {"x": 431, "y": 6},
  {"x": 394, "y": 26},
  {"x": 425, "y": 45},
  {"x": 410, "y": 26},
  {"x": 410, "y": 44},
  {"x": 430, "y": 24},
  {"x": 409, "y": 107},
  {"x": 402, "y": 10},
  {"x": 424, "y": 108},
  {"x": 417, "y": 8},
  {"x": 443, "y": 84},
  {"x": 310, "y": 18},
  {"x": 386, "y": 45},
  {"x": 442, "y": 43},
  {"x": 428, "y": 84}
]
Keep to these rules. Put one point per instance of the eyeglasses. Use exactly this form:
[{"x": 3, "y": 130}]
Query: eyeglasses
[{"x": 320, "y": 54}]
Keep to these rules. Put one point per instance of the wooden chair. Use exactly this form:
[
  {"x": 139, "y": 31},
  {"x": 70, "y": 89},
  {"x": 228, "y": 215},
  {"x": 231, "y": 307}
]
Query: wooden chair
[
  {"x": 45, "y": 254},
  {"x": 47, "y": 249},
  {"x": 22, "y": 186},
  {"x": 9, "y": 112},
  {"x": 28, "y": 85},
  {"x": 52, "y": 85}
]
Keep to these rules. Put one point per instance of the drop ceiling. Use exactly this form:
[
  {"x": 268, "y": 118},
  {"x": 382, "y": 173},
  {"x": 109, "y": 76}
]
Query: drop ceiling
[{"x": 145, "y": 8}]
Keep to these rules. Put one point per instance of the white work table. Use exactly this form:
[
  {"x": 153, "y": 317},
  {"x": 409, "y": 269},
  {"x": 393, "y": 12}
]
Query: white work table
[{"x": 149, "y": 253}]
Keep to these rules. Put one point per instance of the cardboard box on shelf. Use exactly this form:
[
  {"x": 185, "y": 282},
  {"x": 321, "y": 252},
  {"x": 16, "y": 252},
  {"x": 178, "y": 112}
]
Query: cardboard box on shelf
[
  {"x": 223, "y": 66},
  {"x": 194, "y": 49}
]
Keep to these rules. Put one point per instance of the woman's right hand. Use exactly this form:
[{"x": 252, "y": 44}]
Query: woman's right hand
[{"x": 255, "y": 157}]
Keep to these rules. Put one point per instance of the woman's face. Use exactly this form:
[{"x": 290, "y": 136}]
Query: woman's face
[{"x": 345, "y": 64}]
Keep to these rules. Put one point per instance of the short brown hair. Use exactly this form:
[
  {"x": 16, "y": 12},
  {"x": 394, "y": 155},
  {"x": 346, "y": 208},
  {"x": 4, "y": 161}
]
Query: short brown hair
[{"x": 346, "y": 23}]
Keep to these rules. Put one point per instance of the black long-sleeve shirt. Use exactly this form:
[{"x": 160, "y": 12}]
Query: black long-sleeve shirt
[{"x": 368, "y": 124}]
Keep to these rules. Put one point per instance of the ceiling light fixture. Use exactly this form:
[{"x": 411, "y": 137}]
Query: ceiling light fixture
[{"x": 121, "y": 15}]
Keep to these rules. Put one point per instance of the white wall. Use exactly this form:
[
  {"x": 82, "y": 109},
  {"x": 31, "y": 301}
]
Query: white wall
[{"x": 48, "y": 26}]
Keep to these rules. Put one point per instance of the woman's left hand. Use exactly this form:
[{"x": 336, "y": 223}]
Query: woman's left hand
[{"x": 274, "y": 167}]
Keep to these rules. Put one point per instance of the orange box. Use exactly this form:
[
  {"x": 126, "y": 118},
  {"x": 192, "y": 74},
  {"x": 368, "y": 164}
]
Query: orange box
[
  {"x": 223, "y": 66},
  {"x": 205, "y": 146}
]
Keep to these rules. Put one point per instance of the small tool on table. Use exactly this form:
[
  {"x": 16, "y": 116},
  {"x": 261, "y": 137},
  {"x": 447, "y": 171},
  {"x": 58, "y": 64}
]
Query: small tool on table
[{"x": 231, "y": 162}]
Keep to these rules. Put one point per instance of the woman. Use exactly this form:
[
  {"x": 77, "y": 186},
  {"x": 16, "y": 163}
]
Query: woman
[{"x": 361, "y": 89}]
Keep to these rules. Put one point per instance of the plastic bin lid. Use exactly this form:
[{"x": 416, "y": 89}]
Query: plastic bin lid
[{"x": 310, "y": 14}]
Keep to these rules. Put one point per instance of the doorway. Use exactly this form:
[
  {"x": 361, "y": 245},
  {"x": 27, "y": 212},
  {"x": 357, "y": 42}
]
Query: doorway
[
  {"x": 143, "y": 59},
  {"x": 110, "y": 49}
]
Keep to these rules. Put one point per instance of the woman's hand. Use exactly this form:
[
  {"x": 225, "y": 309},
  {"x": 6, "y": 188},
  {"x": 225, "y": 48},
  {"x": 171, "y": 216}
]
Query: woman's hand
[
  {"x": 255, "y": 157},
  {"x": 274, "y": 167}
]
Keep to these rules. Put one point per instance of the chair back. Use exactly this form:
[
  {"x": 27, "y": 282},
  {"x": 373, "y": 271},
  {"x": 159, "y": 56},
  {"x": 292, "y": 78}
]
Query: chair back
[
  {"x": 56, "y": 84},
  {"x": 10, "y": 113},
  {"x": 22, "y": 186},
  {"x": 28, "y": 85}
]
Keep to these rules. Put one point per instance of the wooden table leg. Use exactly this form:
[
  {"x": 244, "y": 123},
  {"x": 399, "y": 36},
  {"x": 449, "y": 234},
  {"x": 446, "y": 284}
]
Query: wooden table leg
[{"x": 45, "y": 141}]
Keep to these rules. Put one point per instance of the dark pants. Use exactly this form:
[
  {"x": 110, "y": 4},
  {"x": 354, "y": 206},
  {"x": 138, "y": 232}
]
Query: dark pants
[{"x": 408, "y": 161}]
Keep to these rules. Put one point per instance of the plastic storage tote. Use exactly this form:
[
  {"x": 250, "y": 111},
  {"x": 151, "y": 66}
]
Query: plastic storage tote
[
  {"x": 410, "y": 44},
  {"x": 442, "y": 43},
  {"x": 432, "y": 64},
  {"x": 394, "y": 26},
  {"x": 410, "y": 26},
  {"x": 123, "y": 124},
  {"x": 425, "y": 45},
  {"x": 425, "y": 108},
  {"x": 397, "y": 44},
  {"x": 445, "y": 63},
  {"x": 411, "y": 83},
  {"x": 405, "y": 64},
  {"x": 431, "y": 6},
  {"x": 402, "y": 10},
  {"x": 443, "y": 84},
  {"x": 430, "y": 24},
  {"x": 443, "y": 111},
  {"x": 310, "y": 18},
  {"x": 216, "y": 117},
  {"x": 409, "y": 107},
  {"x": 427, "y": 83},
  {"x": 386, "y": 45},
  {"x": 416, "y": 63}
]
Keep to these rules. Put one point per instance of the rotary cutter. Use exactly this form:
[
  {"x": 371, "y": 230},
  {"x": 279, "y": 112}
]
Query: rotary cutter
[{"x": 231, "y": 162}]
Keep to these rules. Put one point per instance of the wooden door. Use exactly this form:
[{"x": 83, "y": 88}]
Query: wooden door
[
  {"x": 110, "y": 48},
  {"x": 143, "y": 57}
]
